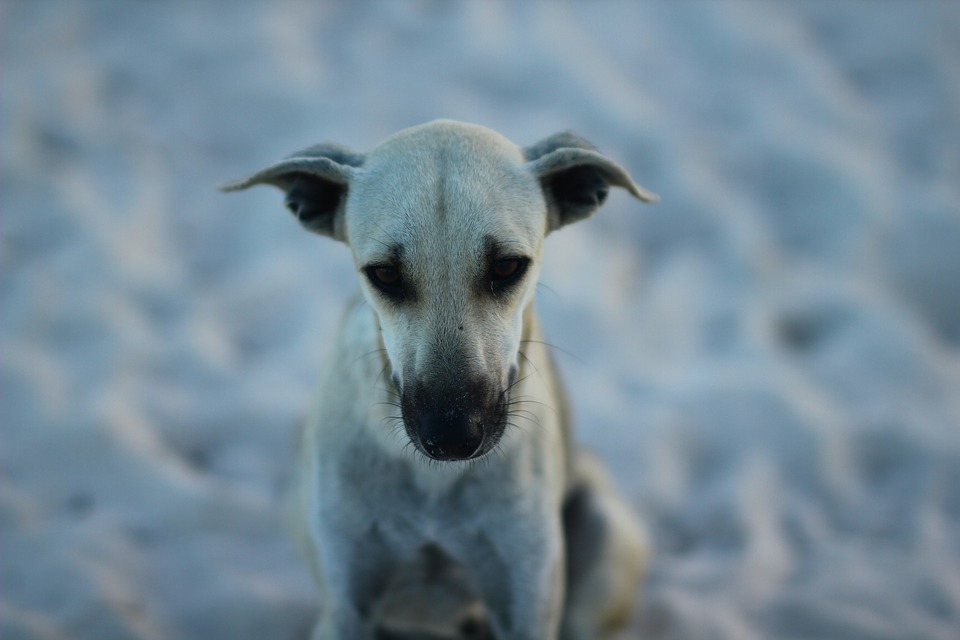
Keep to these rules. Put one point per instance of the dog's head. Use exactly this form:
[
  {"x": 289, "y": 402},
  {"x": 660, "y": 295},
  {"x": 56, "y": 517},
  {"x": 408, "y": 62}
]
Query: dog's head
[{"x": 446, "y": 223}]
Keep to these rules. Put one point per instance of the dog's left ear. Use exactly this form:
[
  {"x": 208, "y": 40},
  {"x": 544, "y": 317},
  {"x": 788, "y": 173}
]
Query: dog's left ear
[
  {"x": 576, "y": 178},
  {"x": 316, "y": 181}
]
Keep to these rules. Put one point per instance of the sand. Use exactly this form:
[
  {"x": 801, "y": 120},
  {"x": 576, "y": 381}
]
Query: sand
[{"x": 769, "y": 359}]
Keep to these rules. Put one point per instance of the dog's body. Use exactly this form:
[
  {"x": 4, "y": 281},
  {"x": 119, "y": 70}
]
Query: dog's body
[{"x": 446, "y": 223}]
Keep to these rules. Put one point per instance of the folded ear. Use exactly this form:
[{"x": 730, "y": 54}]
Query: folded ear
[
  {"x": 576, "y": 178},
  {"x": 316, "y": 181}
]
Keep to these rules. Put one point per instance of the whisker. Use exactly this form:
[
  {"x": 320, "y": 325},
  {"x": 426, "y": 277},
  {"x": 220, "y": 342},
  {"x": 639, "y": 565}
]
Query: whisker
[
  {"x": 515, "y": 383},
  {"x": 498, "y": 451},
  {"x": 549, "y": 290},
  {"x": 554, "y": 347},
  {"x": 525, "y": 414},
  {"x": 529, "y": 361},
  {"x": 392, "y": 389},
  {"x": 394, "y": 425},
  {"x": 536, "y": 402},
  {"x": 514, "y": 425},
  {"x": 532, "y": 419}
]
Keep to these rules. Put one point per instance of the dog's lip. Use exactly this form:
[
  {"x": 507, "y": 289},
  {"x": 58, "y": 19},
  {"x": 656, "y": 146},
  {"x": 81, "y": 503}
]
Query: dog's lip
[{"x": 480, "y": 452}]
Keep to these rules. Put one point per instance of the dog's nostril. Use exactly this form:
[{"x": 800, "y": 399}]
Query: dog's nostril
[{"x": 451, "y": 437}]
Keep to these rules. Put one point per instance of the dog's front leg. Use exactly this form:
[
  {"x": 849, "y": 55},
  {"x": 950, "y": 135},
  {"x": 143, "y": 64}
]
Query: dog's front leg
[
  {"x": 519, "y": 563},
  {"x": 338, "y": 620},
  {"x": 538, "y": 615},
  {"x": 351, "y": 568},
  {"x": 339, "y": 616},
  {"x": 538, "y": 604}
]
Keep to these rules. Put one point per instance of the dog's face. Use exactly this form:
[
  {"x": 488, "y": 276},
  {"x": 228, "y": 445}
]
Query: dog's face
[
  {"x": 446, "y": 222},
  {"x": 446, "y": 230}
]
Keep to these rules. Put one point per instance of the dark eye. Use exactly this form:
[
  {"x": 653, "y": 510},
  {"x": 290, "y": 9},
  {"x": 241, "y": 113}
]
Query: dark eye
[
  {"x": 386, "y": 276},
  {"x": 505, "y": 272},
  {"x": 387, "y": 279},
  {"x": 504, "y": 268}
]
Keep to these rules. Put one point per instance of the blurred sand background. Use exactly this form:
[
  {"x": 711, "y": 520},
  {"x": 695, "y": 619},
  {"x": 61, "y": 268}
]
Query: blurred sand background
[{"x": 769, "y": 359}]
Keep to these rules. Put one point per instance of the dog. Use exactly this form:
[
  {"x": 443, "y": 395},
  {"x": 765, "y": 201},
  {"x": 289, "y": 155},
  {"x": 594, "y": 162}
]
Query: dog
[{"x": 440, "y": 421}]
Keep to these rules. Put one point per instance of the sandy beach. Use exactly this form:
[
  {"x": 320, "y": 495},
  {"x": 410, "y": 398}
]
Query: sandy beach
[{"x": 768, "y": 359}]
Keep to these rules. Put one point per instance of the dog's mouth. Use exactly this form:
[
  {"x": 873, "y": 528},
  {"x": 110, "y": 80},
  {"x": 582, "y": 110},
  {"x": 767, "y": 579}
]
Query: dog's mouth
[{"x": 448, "y": 424}]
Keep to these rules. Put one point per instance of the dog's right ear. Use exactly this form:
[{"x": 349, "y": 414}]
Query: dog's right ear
[
  {"x": 576, "y": 178},
  {"x": 316, "y": 181}
]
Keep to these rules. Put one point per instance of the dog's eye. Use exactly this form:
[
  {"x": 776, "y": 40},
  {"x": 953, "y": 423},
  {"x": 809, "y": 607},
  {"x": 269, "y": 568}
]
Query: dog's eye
[
  {"x": 387, "y": 279},
  {"x": 505, "y": 272},
  {"x": 504, "y": 268},
  {"x": 386, "y": 276}
]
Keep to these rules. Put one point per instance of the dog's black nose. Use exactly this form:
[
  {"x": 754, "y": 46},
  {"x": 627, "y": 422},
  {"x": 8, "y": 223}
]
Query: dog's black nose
[{"x": 450, "y": 435}]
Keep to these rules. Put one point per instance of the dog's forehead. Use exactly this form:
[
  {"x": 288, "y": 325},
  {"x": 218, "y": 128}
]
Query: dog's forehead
[
  {"x": 444, "y": 182},
  {"x": 447, "y": 134}
]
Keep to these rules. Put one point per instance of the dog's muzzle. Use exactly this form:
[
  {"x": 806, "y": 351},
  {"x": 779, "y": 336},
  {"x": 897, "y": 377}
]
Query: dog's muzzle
[{"x": 448, "y": 422}]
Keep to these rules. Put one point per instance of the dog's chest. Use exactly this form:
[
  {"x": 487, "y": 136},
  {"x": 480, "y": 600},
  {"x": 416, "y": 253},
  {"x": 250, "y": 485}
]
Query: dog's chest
[{"x": 412, "y": 501}]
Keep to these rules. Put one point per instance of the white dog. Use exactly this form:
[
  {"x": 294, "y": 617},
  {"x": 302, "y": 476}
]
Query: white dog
[{"x": 446, "y": 223}]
